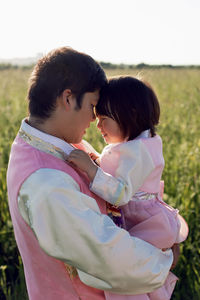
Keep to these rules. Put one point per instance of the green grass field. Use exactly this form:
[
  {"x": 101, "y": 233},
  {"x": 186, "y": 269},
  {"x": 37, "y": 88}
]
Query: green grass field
[{"x": 178, "y": 91}]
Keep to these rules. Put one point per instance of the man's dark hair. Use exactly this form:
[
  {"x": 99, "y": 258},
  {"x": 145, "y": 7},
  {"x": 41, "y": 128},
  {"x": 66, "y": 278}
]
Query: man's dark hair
[
  {"x": 132, "y": 103},
  {"x": 63, "y": 68}
]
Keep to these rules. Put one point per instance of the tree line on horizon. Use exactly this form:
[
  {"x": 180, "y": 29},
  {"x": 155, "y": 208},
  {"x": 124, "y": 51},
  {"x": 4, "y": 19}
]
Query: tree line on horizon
[{"x": 111, "y": 66}]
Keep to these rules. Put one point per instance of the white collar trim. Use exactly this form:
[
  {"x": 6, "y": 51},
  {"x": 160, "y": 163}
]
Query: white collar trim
[
  {"x": 64, "y": 146},
  {"x": 144, "y": 134}
]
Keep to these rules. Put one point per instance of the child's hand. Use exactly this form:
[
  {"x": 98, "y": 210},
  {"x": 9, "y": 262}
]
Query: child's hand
[
  {"x": 93, "y": 156},
  {"x": 83, "y": 161}
]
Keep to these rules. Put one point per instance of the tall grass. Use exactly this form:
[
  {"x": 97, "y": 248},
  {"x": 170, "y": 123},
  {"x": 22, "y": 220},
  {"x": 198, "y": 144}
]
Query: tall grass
[
  {"x": 178, "y": 91},
  {"x": 13, "y": 85}
]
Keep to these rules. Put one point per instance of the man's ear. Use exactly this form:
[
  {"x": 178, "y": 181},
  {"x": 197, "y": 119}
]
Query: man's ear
[{"x": 68, "y": 100}]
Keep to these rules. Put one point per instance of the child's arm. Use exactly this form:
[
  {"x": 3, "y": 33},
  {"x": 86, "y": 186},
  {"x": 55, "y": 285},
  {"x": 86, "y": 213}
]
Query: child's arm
[
  {"x": 131, "y": 163},
  {"x": 134, "y": 165}
]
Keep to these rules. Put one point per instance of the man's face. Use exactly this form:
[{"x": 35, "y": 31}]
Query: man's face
[{"x": 82, "y": 117}]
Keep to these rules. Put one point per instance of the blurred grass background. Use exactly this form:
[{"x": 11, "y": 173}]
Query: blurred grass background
[{"x": 178, "y": 91}]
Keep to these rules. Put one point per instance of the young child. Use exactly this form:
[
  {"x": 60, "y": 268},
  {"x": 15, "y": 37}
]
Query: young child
[{"x": 129, "y": 176}]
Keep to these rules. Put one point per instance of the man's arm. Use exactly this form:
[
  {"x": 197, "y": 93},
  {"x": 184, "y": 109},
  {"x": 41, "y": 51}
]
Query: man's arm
[{"x": 69, "y": 226}]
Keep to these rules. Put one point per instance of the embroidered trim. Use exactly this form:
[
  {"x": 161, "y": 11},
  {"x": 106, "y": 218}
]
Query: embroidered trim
[
  {"x": 120, "y": 197},
  {"x": 71, "y": 271},
  {"x": 57, "y": 152},
  {"x": 42, "y": 145},
  {"x": 141, "y": 196}
]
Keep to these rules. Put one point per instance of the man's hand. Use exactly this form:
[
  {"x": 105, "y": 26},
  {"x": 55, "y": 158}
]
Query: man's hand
[
  {"x": 176, "y": 254},
  {"x": 83, "y": 161}
]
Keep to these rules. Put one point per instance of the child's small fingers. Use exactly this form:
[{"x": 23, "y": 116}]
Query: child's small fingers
[
  {"x": 71, "y": 161},
  {"x": 70, "y": 157}
]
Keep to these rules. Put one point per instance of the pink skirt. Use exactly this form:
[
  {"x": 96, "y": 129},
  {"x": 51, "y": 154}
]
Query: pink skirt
[
  {"x": 153, "y": 221},
  {"x": 158, "y": 224}
]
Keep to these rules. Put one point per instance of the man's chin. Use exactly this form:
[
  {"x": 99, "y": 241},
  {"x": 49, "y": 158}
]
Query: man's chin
[
  {"x": 77, "y": 141},
  {"x": 73, "y": 141}
]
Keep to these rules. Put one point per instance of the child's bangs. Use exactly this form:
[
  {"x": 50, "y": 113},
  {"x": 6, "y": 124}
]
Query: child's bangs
[{"x": 103, "y": 108}]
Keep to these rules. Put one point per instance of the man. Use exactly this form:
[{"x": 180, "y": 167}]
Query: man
[{"x": 60, "y": 226}]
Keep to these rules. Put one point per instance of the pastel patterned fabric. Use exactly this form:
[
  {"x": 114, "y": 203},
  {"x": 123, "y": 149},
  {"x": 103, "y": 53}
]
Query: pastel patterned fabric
[
  {"x": 130, "y": 178},
  {"x": 70, "y": 248},
  {"x": 46, "y": 276}
]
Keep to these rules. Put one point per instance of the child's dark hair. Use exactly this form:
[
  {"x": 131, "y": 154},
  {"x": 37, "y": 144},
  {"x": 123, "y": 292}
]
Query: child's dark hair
[{"x": 132, "y": 103}]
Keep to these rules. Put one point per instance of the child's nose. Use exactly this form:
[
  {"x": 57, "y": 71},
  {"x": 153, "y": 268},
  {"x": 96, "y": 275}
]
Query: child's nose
[{"x": 93, "y": 117}]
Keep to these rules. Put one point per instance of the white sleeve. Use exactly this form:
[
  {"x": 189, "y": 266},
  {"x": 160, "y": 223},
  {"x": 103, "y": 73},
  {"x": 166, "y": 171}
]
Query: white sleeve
[
  {"x": 134, "y": 166},
  {"x": 69, "y": 226}
]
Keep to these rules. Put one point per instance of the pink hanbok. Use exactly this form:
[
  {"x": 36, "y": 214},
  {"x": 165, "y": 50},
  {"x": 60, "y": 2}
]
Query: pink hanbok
[{"x": 130, "y": 178}]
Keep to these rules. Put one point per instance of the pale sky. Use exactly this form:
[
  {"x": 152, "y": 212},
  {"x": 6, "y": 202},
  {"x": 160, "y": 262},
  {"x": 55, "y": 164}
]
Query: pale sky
[{"x": 117, "y": 31}]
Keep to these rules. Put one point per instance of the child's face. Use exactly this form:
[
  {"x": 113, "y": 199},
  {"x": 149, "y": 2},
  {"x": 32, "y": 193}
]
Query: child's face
[{"x": 110, "y": 130}]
